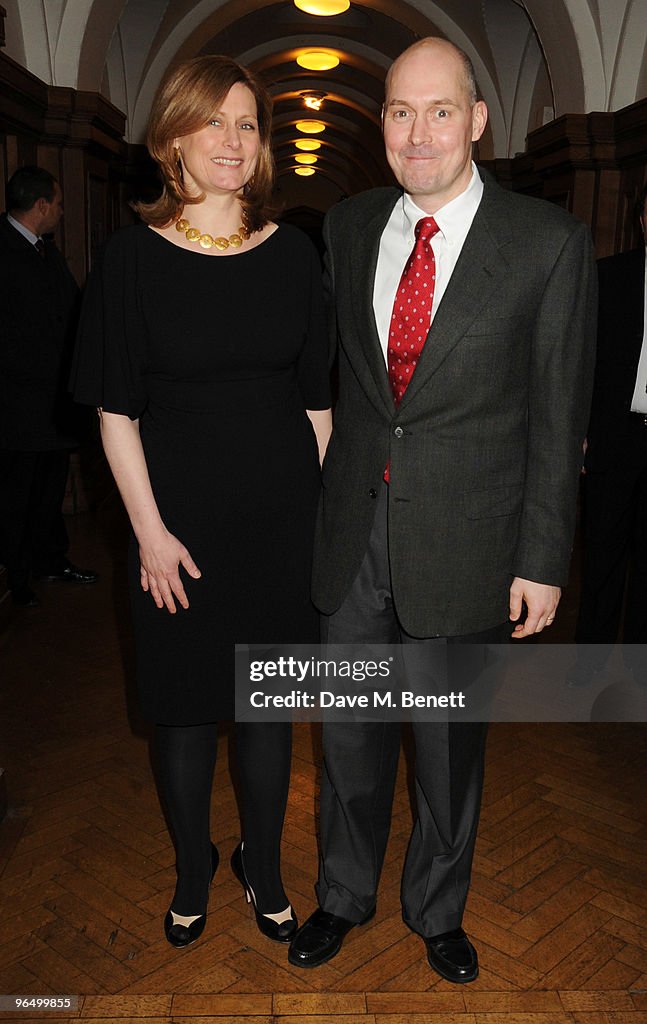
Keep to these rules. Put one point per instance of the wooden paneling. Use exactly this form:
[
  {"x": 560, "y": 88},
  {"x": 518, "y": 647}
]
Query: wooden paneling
[
  {"x": 593, "y": 165},
  {"x": 77, "y": 136}
]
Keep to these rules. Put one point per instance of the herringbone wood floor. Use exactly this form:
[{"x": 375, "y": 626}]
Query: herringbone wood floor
[{"x": 558, "y": 906}]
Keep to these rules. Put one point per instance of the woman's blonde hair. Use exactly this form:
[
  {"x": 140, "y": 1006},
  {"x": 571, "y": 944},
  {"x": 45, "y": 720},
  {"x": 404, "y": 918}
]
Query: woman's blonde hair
[{"x": 188, "y": 97}]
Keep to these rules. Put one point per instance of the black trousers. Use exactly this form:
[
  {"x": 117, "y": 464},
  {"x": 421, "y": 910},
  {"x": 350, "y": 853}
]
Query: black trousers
[
  {"x": 33, "y": 537},
  {"x": 360, "y": 766},
  {"x": 615, "y": 542}
]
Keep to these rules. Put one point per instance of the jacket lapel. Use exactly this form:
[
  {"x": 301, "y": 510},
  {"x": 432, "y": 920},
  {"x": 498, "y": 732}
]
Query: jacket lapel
[
  {"x": 477, "y": 274},
  {"x": 364, "y": 255}
]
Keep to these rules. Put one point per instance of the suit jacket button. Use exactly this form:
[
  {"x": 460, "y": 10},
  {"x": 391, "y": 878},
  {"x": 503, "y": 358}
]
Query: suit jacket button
[
  {"x": 398, "y": 431},
  {"x": 372, "y": 493}
]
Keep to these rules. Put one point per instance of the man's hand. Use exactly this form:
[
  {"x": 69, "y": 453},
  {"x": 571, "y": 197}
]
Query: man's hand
[{"x": 541, "y": 602}]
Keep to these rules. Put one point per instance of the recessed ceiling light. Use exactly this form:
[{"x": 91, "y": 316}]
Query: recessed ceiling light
[
  {"x": 322, "y": 8},
  {"x": 307, "y": 145},
  {"x": 311, "y": 127},
  {"x": 305, "y": 172},
  {"x": 313, "y": 99},
  {"x": 317, "y": 60},
  {"x": 305, "y": 158}
]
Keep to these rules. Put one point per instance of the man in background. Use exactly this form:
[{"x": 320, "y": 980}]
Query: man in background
[
  {"x": 39, "y": 424},
  {"x": 615, "y": 484}
]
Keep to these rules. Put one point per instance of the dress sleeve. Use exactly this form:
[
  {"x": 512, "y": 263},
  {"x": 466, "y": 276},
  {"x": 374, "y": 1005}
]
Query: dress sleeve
[
  {"x": 109, "y": 360},
  {"x": 313, "y": 366}
]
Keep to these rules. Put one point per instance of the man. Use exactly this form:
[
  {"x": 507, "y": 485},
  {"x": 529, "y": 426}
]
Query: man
[
  {"x": 38, "y": 422},
  {"x": 615, "y": 485},
  {"x": 483, "y": 449}
]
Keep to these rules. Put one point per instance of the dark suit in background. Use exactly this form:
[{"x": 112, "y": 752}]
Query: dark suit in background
[
  {"x": 38, "y": 422},
  {"x": 615, "y": 484}
]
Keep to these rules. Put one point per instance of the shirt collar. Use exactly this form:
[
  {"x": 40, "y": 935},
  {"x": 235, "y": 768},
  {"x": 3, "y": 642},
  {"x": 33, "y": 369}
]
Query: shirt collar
[
  {"x": 25, "y": 232},
  {"x": 453, "y": 218}
]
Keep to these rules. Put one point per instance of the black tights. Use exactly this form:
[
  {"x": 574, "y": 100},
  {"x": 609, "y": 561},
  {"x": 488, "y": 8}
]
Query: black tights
[
  {"x": 185, "y": 758},
  {"x": 264, "y": 753}
]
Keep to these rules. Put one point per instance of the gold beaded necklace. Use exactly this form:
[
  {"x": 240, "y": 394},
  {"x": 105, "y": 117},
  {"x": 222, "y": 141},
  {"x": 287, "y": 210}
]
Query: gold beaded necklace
[{"x": 208, "y": 241}]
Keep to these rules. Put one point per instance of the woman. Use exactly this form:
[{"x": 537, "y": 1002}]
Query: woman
[{"x": 202, "y": 343}]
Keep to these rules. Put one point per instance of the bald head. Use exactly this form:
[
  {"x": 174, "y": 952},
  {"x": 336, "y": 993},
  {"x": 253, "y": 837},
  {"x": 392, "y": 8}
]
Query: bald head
[
  {"x": 431, "y": 118},
  {"x": 435, "y": 47}
]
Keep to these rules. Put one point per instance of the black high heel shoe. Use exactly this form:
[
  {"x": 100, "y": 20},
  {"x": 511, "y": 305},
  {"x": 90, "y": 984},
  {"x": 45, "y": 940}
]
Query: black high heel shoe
[
  {"x": 180, "y": 935},
  {"x": 282, "y": 931}
]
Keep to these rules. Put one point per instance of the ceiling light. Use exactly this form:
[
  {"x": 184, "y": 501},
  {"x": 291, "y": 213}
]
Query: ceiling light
[
  {"x": 307, "y": 145},
  {"x": 305, "y": 158},
  {"x": 313, "y": 99},
  {"x": 310, "y": 127},
  {"x": 317, "y": 60},
  {"x": 322, "y": 8},
  {"x": 305, "y": 172}
]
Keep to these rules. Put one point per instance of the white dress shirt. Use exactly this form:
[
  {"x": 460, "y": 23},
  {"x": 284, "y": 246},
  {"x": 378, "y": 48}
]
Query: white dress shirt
[
  {"x": 454, "y": 221},
  {"x": 639, "y": 400},
  {"x": 25, "y": 232}
]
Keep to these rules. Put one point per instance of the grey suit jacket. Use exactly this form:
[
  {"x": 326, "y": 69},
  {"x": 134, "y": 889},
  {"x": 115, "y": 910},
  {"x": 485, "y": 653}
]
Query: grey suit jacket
[{"x": 485, "y": 449}]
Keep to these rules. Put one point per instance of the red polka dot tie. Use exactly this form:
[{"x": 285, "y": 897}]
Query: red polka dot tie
[{"x": 411, "y": 316}]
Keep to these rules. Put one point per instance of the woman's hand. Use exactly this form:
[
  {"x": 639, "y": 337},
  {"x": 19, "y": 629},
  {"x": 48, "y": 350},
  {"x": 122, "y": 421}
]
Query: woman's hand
[
  {"x": 160, "y": 557},
  {"x": 160, "y": 553}
]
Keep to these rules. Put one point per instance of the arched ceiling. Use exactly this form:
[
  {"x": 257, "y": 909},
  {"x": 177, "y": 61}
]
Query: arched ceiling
[{"x": 534, "y": 60}]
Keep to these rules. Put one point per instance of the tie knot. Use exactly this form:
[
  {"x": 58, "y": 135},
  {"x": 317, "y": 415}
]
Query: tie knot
[
  {"x": 39, "y": 246},
  {"x": 425, "y": 229}
]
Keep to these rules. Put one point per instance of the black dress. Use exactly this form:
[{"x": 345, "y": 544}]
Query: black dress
[{"x": 218, "y": 357}]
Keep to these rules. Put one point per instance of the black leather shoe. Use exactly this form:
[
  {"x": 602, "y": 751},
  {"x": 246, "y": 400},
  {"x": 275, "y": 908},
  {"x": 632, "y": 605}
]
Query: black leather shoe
[
  {"x": 180, "y": 935},
  {"x": 321, "y": 938},
  {"x": 453, "y": 956},
  {"x": 24, "y": 597},
  {"x": 282, "y": 931},
  {"x": 70, "y": 574}
]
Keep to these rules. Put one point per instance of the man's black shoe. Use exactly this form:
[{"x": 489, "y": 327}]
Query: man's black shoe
[
  {"x": 69, "y": 574},
  {"x": 453, "y": 956},
  {"x": 321, "y": 938}
]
